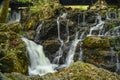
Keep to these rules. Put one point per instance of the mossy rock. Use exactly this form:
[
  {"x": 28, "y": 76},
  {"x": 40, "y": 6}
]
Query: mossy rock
[
  {"x": 14, "y": 27},
  {"x": 16, "y": 76},
  {"x": 80, "y": 71},
  {"x": 10, "y": 63},
  {"x": 76, "y": 71},
  {"x": 3, "y": 77},
  {"x": 13, "y": 56},
  {"x": 96, "y": 42}
]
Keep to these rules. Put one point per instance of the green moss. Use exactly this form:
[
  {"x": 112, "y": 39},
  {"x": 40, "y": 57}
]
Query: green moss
[
  {"x": 96, "y": 42},
  {"x": 82, "y": 71}
]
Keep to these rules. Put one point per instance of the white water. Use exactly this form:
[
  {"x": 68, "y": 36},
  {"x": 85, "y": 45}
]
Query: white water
[
  {"x": 38, "y": 30},
  {"x": 67, "y": 30},
  {"x": 98, "y": 27},
  {"x": 15, "y": 16},
  {"x": 59, "y": 53},
  {"x": 39, "y": 64},
  {"x": 108, "y": 16},
  {"x": 112, "y": 54},
  {"x": 113, "y": 32},
  {"x": 117, "y": 64},
  {"x": 72, "y": 50},
  {"x": 84, "y": 22},
  {"x": 81, "y": 50}
]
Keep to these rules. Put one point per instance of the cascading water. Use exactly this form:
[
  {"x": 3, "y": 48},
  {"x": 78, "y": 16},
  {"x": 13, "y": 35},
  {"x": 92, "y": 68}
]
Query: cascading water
[
  {"x": 99, "y": 26},
  {"x": 38, "y": 30},
  {"x": 72, "y": 50},
  {"x": 59, "y": 53},
  {"x": 81, "y": 50},
  {"x": 15, "y": 16},
  {"x": 117, "y": 64},
  {"x": 39, "y": 64},
  {"x": 108, "y": 16},
  {"x": 113, "y": 32},
  {"x": 112, "y": 54},
  {"x": 84, "y": 22}
]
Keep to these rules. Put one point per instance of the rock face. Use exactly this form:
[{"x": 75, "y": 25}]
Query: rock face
[{"x": 12, "y": 54}]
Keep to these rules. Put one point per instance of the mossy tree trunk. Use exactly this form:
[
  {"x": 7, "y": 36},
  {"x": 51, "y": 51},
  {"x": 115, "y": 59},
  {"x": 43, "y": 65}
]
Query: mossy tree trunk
[{"x": 4, "y": 11}]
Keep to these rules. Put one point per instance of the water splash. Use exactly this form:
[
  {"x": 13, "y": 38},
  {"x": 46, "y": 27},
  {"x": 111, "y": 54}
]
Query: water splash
[{"x": 39, "y": 64}]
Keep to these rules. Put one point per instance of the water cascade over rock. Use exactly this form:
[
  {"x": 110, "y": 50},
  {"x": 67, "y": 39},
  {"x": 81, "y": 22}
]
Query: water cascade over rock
[
  {"x": 59, "y": 53},
  {"x": 80, "y": 42},
  {"x": 38, "y": 30},
  {"x": 39, "y": 64},
  {"x": 98, "y": 27}
]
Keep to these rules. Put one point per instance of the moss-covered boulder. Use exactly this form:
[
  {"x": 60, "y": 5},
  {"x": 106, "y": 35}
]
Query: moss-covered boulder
[
  {"x": 12, "y": 49},
  {"x": 96, "y": 42},
  {"x": 10, "y": 63},
  {"x": 80, "y": 71}
]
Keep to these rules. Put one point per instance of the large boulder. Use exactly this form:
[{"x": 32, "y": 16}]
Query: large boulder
[
  {"x": 80, "y": 71},
  {"x": 12, "y": 53}
]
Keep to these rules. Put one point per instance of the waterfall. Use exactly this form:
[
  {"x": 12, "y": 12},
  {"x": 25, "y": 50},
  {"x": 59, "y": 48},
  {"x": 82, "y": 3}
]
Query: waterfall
[
  {"x": 113, "y": 32},
  {"x": 39, "y": 64},
  {"x": 108, "y": 16},
  {"x": 59, "y": 53},
  {"x": 117, "y": 64},
  {"x": 112, "y": 54},
  {"x": 81, "y": 54},
  {"x": 38, "y": 30},
  {"x": 81, "y": 50},
  {"x": 67, "y": 30},
  {"x": 15, "y": 16},
  {"x": 72, "y": 50},
  {"x": 99, "y": 26},
  {"x": 83, "y": 23}
]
